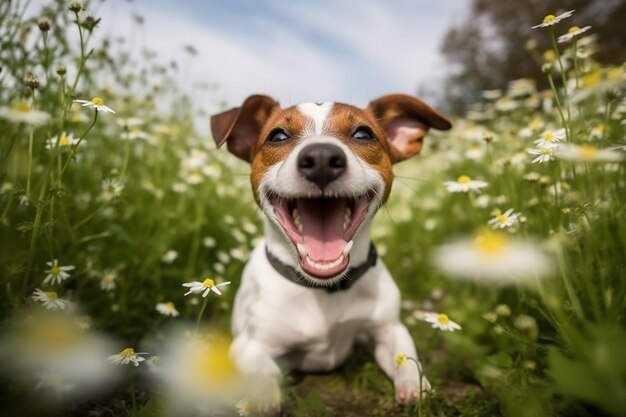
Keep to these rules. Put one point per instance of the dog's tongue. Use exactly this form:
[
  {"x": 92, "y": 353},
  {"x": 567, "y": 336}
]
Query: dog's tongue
[{"x": 322, "y": 227}]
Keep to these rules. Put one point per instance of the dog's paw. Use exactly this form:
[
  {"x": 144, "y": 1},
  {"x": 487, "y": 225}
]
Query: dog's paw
[
  {"x": 266, "y": 400},
  {"x": 409, "y": 390}
]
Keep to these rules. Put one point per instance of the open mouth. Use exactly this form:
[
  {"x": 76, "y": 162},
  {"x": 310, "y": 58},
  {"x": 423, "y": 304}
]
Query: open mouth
[{"x": 322, "y": 230}]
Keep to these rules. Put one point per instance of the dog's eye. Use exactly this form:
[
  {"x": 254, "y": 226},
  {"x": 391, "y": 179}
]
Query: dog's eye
[
  {"x": 363, "y": 133},
  {"x": 277, "y": 136}
]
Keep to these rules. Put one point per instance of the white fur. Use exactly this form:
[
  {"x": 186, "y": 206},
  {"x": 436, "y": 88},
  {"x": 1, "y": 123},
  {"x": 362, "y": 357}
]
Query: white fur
[
  {"x": 317, "y": 114},
  {"x": 277, "y": 323}
]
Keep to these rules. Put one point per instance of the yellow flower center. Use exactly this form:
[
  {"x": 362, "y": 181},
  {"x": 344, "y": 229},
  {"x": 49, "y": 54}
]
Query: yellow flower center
[
  {"x": 549, "y": 19},
  {"x": 548, "y": 136},
  {"x": 574, "y": 29},
  {"x": 502, "y": 218},
  {"x": 464, "y": 179},
  {"x": 64, "y": 140},
  {"x": 401, "y": 359},
  {"x": 169, "y": 306},
  {"x": 588, "y": 151},
  {"x": 443, "y": 319},
  {"x": 55, "y": 270},
  {"x": 546, "y": 151},
  {"x": 21, "y": 106},
  {"x": 98, "y": 101},
  {"x": 108, "y": 278},
  {"x": 52, "y": 295},
  {"x": 490, "y": 243},
  {"x": 208, "y": 283},
  {"x": 127, "y": 353}
]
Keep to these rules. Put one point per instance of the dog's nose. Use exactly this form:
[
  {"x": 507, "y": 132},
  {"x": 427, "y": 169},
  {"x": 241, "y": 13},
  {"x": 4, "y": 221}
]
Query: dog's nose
[{"x": 322, "y": 163}]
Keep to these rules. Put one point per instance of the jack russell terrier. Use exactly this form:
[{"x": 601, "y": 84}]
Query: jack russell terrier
[{"x": 319, "y": 173}]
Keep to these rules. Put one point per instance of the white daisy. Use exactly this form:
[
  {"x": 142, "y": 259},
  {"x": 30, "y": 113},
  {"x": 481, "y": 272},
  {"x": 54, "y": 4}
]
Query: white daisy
[
  {"x": 50, "y": 300},
  {"x": 207, "y": 286},
  {"x": 56, "y": 273},
  {"x": 463, "y": 184},
  {"x": 551, "y": 19},
  {"x": 493, "y": 257},
  {"x": 550, "y": 138},
  {"x": 108, "y": 280},
  {"x": 167, "y": 309},
  {"x": 127, "y": 356},
  {"x": 588, "y": 153},
  {"x": 572, "y": 33},
  {"x": 111, "y": 189},
  {"x": 441, "y": 322},
  {"x": 503, "y": 220},
  {"x": 21, "y": 112},
  {"x": 65, "y": 140},
  {"x": 96, "y": 103},
  {"x": 209, "y": 242},
  {"x": 543, "y": 154},
  {"x": 169, "y": 256}
]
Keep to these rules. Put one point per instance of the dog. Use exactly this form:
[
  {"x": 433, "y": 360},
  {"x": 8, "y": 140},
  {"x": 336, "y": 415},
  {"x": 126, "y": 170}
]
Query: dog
[{"x": 314, "y": 284}]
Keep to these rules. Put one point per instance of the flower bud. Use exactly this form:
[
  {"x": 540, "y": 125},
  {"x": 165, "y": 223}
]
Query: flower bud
[
  {"x": 44, "y": 24},
  {"x": 31, "y": 80},
  {"x": 75, "y": 7},
  {"x": 61, "y": 70}
]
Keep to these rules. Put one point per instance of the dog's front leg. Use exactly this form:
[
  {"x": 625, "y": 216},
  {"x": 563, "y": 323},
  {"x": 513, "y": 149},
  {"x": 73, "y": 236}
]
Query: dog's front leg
[
  {"x": 255, "y": 360},
  {"x": 392, "y": 340}
]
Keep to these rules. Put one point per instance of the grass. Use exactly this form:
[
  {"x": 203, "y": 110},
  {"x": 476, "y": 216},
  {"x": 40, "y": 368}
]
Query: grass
[{"x": 144, "y": 203}]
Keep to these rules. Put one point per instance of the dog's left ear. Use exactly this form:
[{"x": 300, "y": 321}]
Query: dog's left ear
[
  {"x": 240, "y": 127},
  {"x": 405, "y": 121}
]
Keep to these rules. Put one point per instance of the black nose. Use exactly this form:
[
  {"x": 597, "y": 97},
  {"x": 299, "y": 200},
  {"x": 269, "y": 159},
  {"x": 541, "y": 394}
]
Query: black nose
[{"x": 322, "y": 163}]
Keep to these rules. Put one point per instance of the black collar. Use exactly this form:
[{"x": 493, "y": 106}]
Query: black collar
[{"x": 346, "y": 282}]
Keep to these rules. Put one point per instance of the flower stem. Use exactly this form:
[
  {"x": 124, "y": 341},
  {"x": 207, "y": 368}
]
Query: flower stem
[
  {"x": 74, "y": 147},
  {"x": 132, "y": 393},
  {"x": 30, "y": 160},
  {"x": 206, "y": 301}
]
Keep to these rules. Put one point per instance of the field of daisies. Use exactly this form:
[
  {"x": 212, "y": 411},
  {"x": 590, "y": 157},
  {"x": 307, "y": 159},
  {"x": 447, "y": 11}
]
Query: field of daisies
[{"x": 123, "y": 233}]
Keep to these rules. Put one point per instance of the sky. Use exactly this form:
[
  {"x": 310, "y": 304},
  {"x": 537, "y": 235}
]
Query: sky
[{"x": 295, "y": 51}]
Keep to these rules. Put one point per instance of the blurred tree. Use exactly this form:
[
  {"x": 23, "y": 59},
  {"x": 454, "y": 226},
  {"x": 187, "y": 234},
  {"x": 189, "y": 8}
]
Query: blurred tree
[{"x": 490, "y": 47}]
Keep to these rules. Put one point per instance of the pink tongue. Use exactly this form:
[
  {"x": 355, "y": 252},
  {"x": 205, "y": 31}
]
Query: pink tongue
[{"x": 322, "y": 227}]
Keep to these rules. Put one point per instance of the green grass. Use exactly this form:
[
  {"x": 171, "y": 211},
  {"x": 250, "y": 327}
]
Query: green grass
[{"x": 547, "y": 346}]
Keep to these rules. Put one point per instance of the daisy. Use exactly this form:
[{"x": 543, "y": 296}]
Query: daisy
[
  {"x": 21, "y": 112},
  {"x": 550, "y": 138},
  {"x": 111, "y": 189},
  {"x": 207, "y": 286},
  {"x": 543, "y": 154},
  {"x": 441, "y": 322},
  {"x": 503, "y": 220},
  {"x": 107, "y": 283},
  {"x": 56, "y": 273},
  {"x": 169, "y": 256},
  {"x": 50, "y": 300},
  {"x": 167, "y": 309},
  {"x": 572, "y": 33},
  {"x": 551, "y": 19},
  {"x": 64, "y": 140},
  {"x": 493, "y": 257},
  {"x": 96, "y": 103},
  {"x": 209, "y": 242},
  {"x": 463, "y": 184},
  {"x": 127, "y": 356},
  {"x": 588, "y": 153}
]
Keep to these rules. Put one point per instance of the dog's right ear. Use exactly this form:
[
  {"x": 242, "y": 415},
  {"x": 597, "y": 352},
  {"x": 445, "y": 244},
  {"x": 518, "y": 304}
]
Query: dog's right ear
[{"x": 240, "y": 127}]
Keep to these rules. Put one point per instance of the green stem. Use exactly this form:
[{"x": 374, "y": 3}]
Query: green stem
[
  {"x": 126, "y": 158},
  {"x": 558, "y": 105},
  {"x": 74, "y": 147},
  {"x": 576, "y": 68},
  {"x": 132, "y": 393},
  {"x": 81, "y": 63},
  {"x": 206, "y": 301}
]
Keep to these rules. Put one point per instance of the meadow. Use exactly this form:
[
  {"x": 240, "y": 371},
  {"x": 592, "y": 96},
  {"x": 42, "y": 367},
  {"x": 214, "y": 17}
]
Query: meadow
[{"x": 512, "y": 225}]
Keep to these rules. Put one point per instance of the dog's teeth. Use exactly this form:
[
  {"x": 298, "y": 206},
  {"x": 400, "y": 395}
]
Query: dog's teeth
[
  {"x": 347, "y": 218},
  {"x": 324, "y": 266},
  {"x": 348, "y": 248},
  {"x": 297, "y": 220},
  {"x": 302, "y": 251}
]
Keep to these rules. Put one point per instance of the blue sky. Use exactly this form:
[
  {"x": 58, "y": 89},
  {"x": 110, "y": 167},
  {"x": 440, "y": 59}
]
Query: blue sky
[{"x": 296, "y": 51}]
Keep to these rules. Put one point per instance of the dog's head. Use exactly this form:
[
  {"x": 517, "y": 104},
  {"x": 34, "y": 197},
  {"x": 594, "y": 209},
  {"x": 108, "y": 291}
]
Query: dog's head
[{"x": 320, "y": 171}]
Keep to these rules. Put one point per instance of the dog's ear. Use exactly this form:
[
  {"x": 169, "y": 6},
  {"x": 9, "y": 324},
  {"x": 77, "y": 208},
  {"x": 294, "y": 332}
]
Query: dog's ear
[
  {"x": 405, "y": 121},
  {"x": 240, "y": 127}
]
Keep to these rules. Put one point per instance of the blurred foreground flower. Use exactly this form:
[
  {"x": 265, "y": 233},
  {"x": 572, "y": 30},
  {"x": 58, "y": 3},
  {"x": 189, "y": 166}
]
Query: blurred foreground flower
[
  {"x": 167, "y": 309},
  {"x": 441, "y": 322},
  {"x": 53, "y": 348},
  {"x": 207, "y": 286},
  {"x": 57, "y": 273},
  {"x": 127, "y": 356},
  {"x": 50, "y": 300},
  {"x": 493, "y": 257},
  {"x": 463, "y": 184},
  {"x": 96, "y": 103},
  {"x": 551, "y": 19},
  {"x": 22, "y": 112},
  {"x": 62, "y": 141},
  {"x": 588, "y": 153}
]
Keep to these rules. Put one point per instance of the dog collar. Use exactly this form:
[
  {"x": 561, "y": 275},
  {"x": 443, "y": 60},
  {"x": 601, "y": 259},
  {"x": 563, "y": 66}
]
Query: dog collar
[{"x": 353, "y": 274}]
